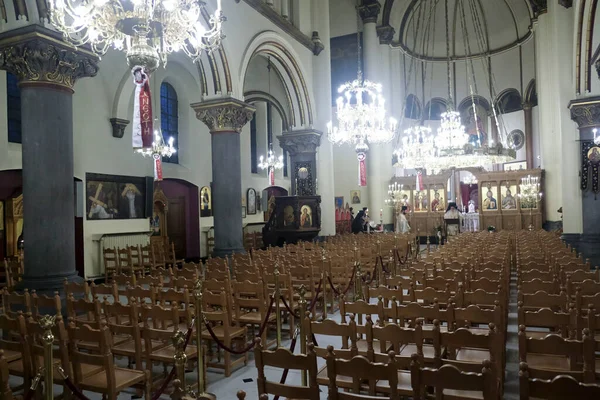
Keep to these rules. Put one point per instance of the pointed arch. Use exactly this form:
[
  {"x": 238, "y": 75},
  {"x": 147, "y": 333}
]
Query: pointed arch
[
  {"x": 509, "y": 100},
  {"x": 434, "y": 108}
]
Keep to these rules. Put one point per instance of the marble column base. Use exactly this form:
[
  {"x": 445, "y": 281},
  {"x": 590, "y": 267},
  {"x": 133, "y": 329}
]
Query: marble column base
[
  {"x": 552, "y": 225},
  {"x": 222, "y": 252}
]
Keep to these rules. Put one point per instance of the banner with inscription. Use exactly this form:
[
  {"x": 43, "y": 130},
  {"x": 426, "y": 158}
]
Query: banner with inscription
[{"x": 142, "y": 136}]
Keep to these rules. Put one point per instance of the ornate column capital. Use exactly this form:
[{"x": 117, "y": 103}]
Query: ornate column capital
[
  {"x": 306, "y": 141},
  {"x": 586, "y": 112},
  {"x": 369, "y": 11},
  {"x": 118, "y": 127},
  {"x": 37, "y": 56},
  {"x": 224, "y": 114},
  {"x": 539, "y": 6},
  {"x": 386, "y": 34}
]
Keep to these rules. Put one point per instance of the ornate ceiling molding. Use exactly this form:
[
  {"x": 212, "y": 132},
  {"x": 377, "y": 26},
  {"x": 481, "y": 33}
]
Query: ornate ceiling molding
[
  {"x": 118, "y": 127},
  {"x": 586, "y": 112},
  {"x": 224, "y": 115},
  {"x": 386, "y": 34}
]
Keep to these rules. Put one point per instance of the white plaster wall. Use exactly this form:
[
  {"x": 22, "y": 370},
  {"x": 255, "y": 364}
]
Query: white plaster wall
[
  {"x": 95, "y": 150},
  {"x": 342, "y": 17}
]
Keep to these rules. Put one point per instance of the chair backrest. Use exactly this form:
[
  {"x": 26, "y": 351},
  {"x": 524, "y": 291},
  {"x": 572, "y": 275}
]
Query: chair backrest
[
  {"x": 42, "y": 304},
  {"x": 101, "y": 357},
  {"x": 35, "y": 343},
  {"x": 5, "y": 390},
  {"x": 382, "y": 339},
  {"x": 359, "y": 369},
  {"x": 105, "y": 290},
  {"x": 559, "y": 387},
  {"x": 78, "y": 289},
  {"x": 450, "y": 377},
  {"x": 328, "y": 327},
  {"x": 122, "y": 321},
  {"x": 13, "y": 303},
  {"x": 284, "y": 359}
]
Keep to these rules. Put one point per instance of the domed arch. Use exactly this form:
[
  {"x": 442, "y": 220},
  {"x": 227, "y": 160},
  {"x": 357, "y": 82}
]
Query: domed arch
[
  {"x": 509, "y": 100},
  {"x": 291, "y": 73},
  {"x": 412, "y": 107},
  {"x": 468, "y": 101},
  {"x": 434, "y": 108},
  {"x": 531, "y": 97}
]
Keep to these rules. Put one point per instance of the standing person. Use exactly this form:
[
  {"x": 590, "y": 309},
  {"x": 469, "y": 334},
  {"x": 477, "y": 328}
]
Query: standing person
[
  {"x": 403, "y": 226},
  {"x": 358, "y": 223}
]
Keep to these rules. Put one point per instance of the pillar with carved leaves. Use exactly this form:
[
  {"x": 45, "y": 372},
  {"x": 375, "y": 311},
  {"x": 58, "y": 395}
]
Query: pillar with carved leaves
[
  {"x": 225, "y": 118},
  {"x": 47, "y": 70}
]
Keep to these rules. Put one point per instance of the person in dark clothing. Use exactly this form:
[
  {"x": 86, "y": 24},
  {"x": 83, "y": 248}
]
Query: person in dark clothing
[{"x": 358, "y": 223}]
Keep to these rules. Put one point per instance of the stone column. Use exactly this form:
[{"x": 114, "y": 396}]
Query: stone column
[
  {"x": 302, "y": 148},
  {"x": 586, "y": 113},
  {"x": 322, "y": 92},
  {"x": 376, "y": 179},
  {"x": 47, "y": 70},
  {"x": 528, "y": 134},
  {"x": 225, "y": 118}
]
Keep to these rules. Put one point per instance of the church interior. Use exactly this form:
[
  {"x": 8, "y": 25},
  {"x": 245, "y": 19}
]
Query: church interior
[{"x": 299, "y": 199}]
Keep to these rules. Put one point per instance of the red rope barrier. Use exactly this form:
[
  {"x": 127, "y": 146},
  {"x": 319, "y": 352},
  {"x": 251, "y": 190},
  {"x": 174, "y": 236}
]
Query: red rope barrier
[
  {"x": 251, "y": 345},
  {"x": 350, "y": 284},
  {"x": 288, "y": 308}
]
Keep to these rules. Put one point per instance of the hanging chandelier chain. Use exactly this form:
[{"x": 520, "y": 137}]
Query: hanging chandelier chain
[
  {"x": 358, "y": 43},
  {"x": 447, "y": 20}
]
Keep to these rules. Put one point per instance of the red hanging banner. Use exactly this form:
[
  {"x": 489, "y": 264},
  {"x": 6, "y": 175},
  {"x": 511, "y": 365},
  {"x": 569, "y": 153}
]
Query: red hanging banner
[
  {"x": 272, "y": 176},
  {"x": 142, "y": 136},
  {"x": 419, "y": 184},
  {"x": 158, "y": 175},
  {"x": 362, "y": 169}
]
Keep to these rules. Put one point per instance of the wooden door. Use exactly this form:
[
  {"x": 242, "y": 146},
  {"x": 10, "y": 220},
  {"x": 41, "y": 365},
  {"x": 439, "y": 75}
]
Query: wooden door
[{"x": 176, "y": 226}]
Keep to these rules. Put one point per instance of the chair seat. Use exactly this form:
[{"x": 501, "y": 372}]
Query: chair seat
[
  {"x": 362, "y": 345},
  {"x": 472, "y": 355},
  {"x": 548, "y": 361},
  {"x": 254, "y": 317},
  {"x": 537, "y": 334},
  {"x": 166, "y": 354},
  {"x": 124, "y": 378},
  {"x": 410, "y": 349},
  {"x": 404, "y": 384},
  {"x": 342, "y": 381},
  {"x": 127, "y": 348},
  {"x": 219, "y": 332},
  {"x": 462, "y": 394},
  {"x": 12, "y": 355}
]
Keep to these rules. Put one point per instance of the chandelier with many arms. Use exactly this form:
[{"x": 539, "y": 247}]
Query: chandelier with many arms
[
  {"x": 147, "y": 30},
  {"x": 361, "y": 116},
  {"x": 271, "y": 163},
  {"x": 159, "y": 149},
  {"x": 452, "y": 146}
]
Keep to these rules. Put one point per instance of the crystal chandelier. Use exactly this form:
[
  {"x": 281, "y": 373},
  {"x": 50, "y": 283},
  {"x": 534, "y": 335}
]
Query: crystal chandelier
[
  {"x": 418, "y": 147},
  {"x": 529, "y": 195},
  {"x": 361, "y": 116},
  {"x": 451, "y": 136},
  {"x": 395, "y": 195},
  {"x": 158, "y": 150},
  {"x": 147, "y": 30},
  {"x": 271, "y": 163}
]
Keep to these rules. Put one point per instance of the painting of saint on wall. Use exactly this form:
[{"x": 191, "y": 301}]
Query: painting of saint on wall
[
  {"x": 489, "y": 196},
  {"x": 305, "y": 217},
  {"x": 421, "y": 202},
  {"x": 509, "y": 197},
  {"x": 251, "y": 201},
  {"x": 205, "y": 202},
  {"x": 438, "y": 203},
  {"x": 339, "y": 202},
  {"x": 476, "y": 125},
  {"x": 115, "y": 197}
]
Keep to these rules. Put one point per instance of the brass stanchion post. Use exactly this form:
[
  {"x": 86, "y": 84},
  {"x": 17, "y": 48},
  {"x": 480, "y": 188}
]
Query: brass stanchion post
[
  {"x": 180, "y": 357},
  {"x": 46, "y": 323},
  {"x": 428, "y": 245},
  {"x": 324, "y": 280},
  {"x": 379, "y": 270},
  {"x": 199, "y": 322},
  {"x": 277, "y": 296},
  {"x": 358, "y": 283},
  {"x": 302, "y": 306}
]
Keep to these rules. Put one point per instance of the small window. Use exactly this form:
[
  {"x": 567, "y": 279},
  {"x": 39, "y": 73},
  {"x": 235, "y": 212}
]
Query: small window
[
  {"x": 13, "y": 100},
  {"x": 169, "y": 118}
]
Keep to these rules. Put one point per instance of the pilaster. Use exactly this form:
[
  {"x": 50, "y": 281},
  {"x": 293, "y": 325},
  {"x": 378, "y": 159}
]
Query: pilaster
[
  {"x": 369, "y": 11},
  {"x": 47, "y": 70},
  {"x": 225, "y": 118},
  {"x": 302, "y": 148}
]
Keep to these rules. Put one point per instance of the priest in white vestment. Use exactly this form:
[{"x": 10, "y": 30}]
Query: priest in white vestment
[
  {"x": 451, "y": 218},
  {"x": 402, "y": 225}
]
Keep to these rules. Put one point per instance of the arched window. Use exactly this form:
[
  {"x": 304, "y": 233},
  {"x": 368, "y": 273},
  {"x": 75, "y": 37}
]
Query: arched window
[
  {"x": 434, "y": 109},
  {"x": 13, "y": 100},
  {"x": 509, "y": 101},
  {"x": 412, "y": 109},
  {"x": 169, "y": 118}
]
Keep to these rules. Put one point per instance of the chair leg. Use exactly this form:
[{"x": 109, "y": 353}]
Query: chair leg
[{"x": 227, "y": 359}]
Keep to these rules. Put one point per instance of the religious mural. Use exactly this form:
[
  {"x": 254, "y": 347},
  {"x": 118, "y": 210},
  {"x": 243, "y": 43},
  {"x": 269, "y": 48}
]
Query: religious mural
[
  {"x": 421, "y": 202},
  {"x": 489, "y": 195},
  {"x": 306, "y": 217},
  {"x": 339, "y": 202},
  {"x": 251, "y": 201},
  {"x": 438, "y": 203},
  {"x": 205, "y": 202},
  {"x": 476, "y": 124},
  {"x": 509, "y": 197},
  {"x": 115, "y": 197}
]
